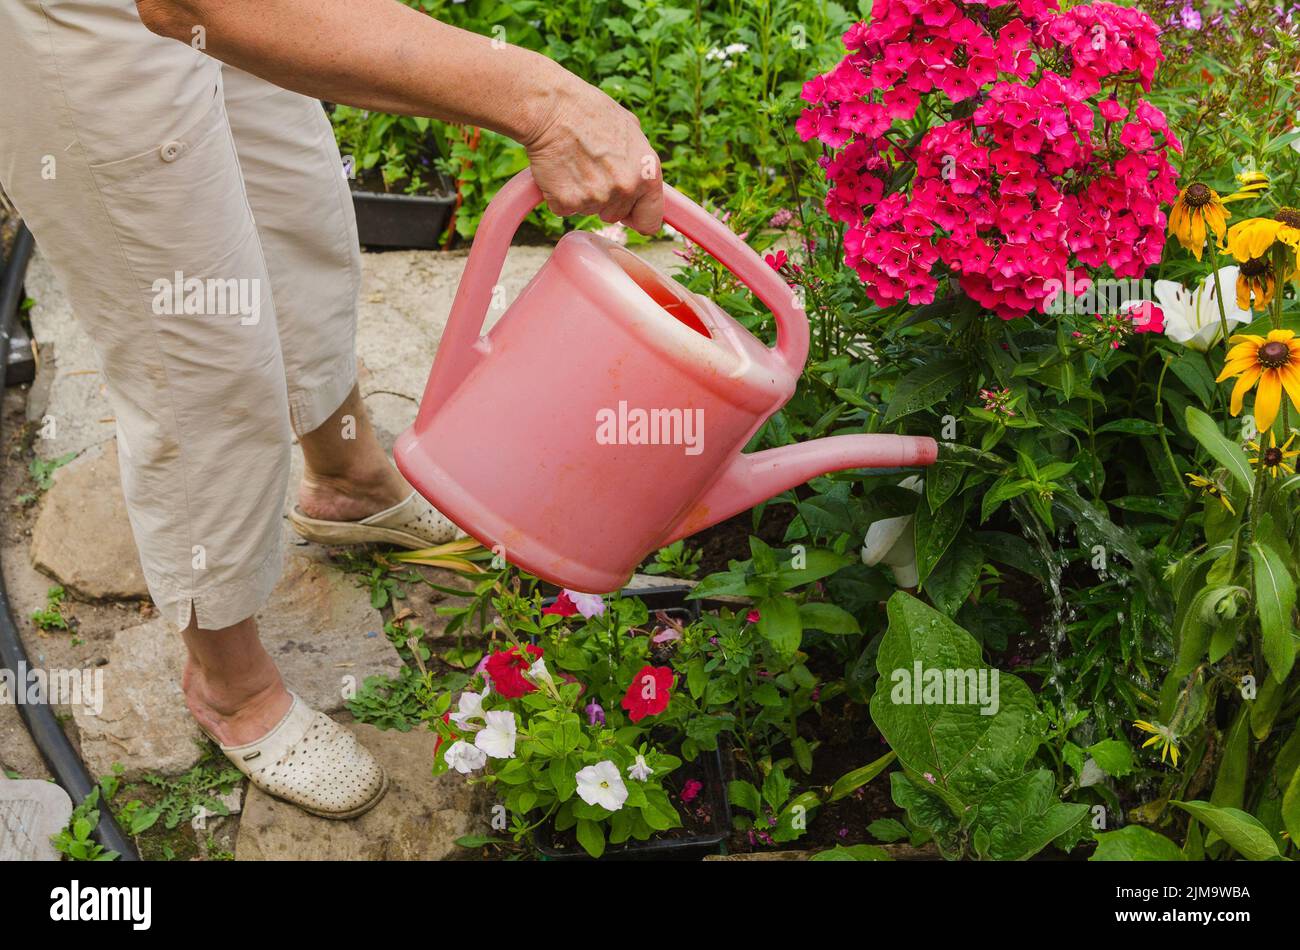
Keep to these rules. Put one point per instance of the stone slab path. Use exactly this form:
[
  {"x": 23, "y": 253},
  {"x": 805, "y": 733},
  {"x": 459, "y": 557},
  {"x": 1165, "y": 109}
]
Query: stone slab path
[{"x": 30, "y": 812}]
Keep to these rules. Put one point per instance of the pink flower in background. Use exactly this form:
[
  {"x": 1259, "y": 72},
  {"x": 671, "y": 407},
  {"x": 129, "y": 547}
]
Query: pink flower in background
[
  {"x": 1040, "y": 176},
  {"x": 691, "y": 790},
  {"x": 781, "y": 218}
]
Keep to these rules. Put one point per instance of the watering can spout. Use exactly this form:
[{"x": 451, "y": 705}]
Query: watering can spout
[{"x": 754, "y": 478}]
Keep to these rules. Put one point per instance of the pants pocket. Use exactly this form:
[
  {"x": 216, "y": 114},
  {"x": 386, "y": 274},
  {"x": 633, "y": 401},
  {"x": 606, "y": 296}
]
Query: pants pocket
[{"x": 181, "y": 207}]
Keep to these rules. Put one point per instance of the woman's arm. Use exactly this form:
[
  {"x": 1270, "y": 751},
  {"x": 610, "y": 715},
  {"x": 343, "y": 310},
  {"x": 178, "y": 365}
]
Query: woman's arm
[{"x": 588, "y": 153}]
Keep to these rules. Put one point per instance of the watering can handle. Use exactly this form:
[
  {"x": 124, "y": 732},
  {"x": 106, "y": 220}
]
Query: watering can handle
[{"x": 506, "y": 212}]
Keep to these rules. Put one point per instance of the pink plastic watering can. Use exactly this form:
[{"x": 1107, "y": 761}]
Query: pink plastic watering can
[{"x": 604, "y": 415}]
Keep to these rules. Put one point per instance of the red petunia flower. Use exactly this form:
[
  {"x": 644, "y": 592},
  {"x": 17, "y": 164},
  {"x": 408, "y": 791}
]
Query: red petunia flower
[
  {"x": 446, "y": 717},
  {"x": 563, "y": 606},
  {"x": 507, "y": 668},
  {"x": 649, "y": 693}
]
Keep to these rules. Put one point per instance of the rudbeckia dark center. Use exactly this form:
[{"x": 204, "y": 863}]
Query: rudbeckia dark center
[
  {"x": 1272, "y": 456},
  {"x": 1288, "y": 216},
  {"x": 1274, "y": 354},
  {"x": 1197, "y": 195},
  {"x": 1255, "y": 267}
]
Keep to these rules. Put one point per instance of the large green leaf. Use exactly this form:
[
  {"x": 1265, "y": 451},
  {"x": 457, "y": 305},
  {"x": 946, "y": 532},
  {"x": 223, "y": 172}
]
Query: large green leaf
[
  {"x": 1135, "y": 843},
  {"x": 1022, "y": 815},
  {"x": 1224, "y": 451},
  {"x": 1275, "y": 602},
  {"x": 1243, "y": 832},
  {"x": 960, "y": 748}
]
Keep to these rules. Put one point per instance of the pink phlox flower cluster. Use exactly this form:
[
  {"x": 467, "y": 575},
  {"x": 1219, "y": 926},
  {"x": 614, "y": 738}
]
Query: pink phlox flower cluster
[{"x": 1036, "y": 173}]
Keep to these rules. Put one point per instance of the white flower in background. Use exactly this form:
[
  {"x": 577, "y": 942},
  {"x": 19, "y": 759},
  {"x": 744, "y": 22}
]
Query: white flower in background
[
  {"x": 1192, "y": 316},
  {"x": 892, "y": 542},
  {"x": 465, "y": 758},
  {"x": 497, "y": 738},
  {"x": 639, "y": 770},
  {"x": 470, "y": 706},
  {"x": 601, "y": 784},
  {"x": 725, "y": 54}
]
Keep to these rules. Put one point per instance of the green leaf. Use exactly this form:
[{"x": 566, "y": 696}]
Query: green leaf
[
  {"x": 1291, "y": 807},
  {"x": 827, "y": 618},
  {"x": 1230, "y": 782},
  {"x": 1113, "y": 756},
  {"x": 591, "y": 836},
  {"x": 850, "y": 782},
  {"x": 887, "y": 830},
  {"x": 1275, "y": 602},
  {"x": 941, "y": 483},
  {"x": 925, "y": 386},
  {"x": 1135, "y": 843},
  {"x": 956, "y": 574},
  {"x": 1224, "y": 451},
  {"x": 779, "y": 624},
  {"x": 744, "y": 795},
  {"x": 1023, "y": 815},
  {"x": 960, "y": 747},
  {"x": 934, "y": 532},
  {"x": 1243, "y": 832}
]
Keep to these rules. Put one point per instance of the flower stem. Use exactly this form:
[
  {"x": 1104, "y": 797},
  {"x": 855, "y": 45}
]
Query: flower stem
[{"x": 1218, "y": 288}]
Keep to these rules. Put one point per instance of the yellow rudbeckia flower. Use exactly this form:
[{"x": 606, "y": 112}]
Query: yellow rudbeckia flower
[
  {"x": 1198, "y": 207},
  {"x": 1253, "y": 237},
  {"x": 1274, "y": 461},
  {"x": 1256, "y": 283},
  {"x": 1274, "y": 363},
  {"x": 1252, "y": 185},
  {"x": 1162, "y": 736}
]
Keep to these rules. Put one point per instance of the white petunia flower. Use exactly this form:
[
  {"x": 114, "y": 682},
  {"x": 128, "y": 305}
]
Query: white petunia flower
[
  {"x": 639, "y": 770},
  {"x": 470, "y": 706},
  {"x": 465, "y": 758},
  {"x": 497, "y": 738},
  {"x": 601, "y": 784},
  {"x": 538, "y": 673}
]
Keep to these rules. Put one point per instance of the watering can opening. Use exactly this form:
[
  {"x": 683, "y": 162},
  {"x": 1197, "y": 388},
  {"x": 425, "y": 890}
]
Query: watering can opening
[{"x": 660, "y": 288}]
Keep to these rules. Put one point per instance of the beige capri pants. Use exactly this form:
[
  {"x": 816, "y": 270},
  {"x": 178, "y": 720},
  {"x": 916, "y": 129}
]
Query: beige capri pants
[{"x": 201, "y": 225}]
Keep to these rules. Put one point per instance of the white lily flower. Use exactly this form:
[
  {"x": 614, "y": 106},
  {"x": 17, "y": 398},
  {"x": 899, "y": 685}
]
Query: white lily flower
[
  {"x": 470, "y": 706},
  {"x": 465, "y": 758},
  {"x": 639, "y": 770},
  {"x": 1192, "y": 316},
  {"x": 497, "y": 738},
  {"x": 892, "y": 542},
  {"x": 601, "y": 784}
]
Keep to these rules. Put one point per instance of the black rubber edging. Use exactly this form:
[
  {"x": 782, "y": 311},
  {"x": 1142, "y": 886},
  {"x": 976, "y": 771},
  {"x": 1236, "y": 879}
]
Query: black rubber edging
[{"x": 57, "y": 751}]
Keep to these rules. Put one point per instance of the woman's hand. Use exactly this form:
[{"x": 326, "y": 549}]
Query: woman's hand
[{"x": 591, "y": 157}]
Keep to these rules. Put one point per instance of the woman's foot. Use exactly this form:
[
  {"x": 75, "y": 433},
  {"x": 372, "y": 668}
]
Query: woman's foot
[
  {"x": 351, "y": 497},
  {"x": 232, "y": 714},
  {"x": 348, "y": 476}
]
